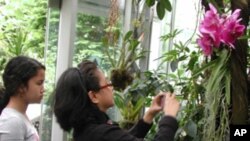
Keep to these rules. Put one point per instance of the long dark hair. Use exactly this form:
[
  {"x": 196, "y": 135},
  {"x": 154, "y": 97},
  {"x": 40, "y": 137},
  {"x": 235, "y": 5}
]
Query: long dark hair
[
  {"x": 18, "y": 71},
  {"x": 72, "y": 105}
]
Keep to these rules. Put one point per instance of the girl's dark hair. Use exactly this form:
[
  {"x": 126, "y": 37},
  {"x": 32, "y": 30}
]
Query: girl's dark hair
[
  {"x": 72, "y": 105},
  {"x": 18, "y": 71}
]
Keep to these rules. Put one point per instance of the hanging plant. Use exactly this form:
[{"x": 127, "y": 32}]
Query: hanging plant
[
  {"x": 218, "y": 34},
  {"x": 122, "y": 50},
  {"x": 123, "y": 53},
  {"x": 122, "y": 73}
]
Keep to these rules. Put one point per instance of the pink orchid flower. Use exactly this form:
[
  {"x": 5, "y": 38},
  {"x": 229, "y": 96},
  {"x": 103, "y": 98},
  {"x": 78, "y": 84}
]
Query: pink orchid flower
[
  {"x": 232, "y": 29},
  {"x": 212, "y": 25},
  {"x": 206, "y": 43},
  {"x": 215, "y": 29}
]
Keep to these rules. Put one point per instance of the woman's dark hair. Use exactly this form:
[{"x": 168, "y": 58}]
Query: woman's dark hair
[
  {"x": 72, "y": 105},
  {"x": 18, "y": 71}
]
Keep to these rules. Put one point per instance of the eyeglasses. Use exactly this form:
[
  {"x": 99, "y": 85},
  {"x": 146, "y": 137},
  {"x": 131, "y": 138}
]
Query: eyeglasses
[{"x": 105, "y": 86}]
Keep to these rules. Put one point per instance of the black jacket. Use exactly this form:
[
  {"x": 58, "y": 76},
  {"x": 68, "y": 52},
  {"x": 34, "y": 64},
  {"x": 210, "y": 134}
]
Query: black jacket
[{"x": 112, "y": 132}]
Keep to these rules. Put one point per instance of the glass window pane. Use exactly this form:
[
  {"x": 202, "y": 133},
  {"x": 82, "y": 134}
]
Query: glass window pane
[
  {"x": 92, "y": 24},
  {"x": 50, "y": 62}
]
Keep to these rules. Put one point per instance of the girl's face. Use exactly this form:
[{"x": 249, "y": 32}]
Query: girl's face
[
  {"x": 34, "y": 91},
  {"x": 105, "y": 94}
]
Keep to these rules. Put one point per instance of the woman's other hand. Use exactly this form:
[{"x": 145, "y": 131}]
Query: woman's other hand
[
  {"x": 171, "y": 105},
  {"x": 154, "y": 108}
]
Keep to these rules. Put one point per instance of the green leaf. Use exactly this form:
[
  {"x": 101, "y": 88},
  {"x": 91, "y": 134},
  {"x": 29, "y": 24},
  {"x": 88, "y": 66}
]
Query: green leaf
[
  {"x": 206, "y": 66},
  {"x": 128, "y": 35},
  {"x": 172, "y": 52},
  {"x": 191, "y": 128},
  {"x": 160, "y": 9},
  {"x": 105, "y": 41},
  {"x": 133, "y": 45},
  {"x": 182, "y": 58},
  {"x": 227, "y": 88},
  {"x": 171, "y": 35},
  {"x": 150, "y": 2},
  {"x": 138, "y": 106},
  {"x": 193, "y": 60},
  {"x": 187, "y": 49},
  {"x": 167, "y": 5},
  {"x": 172, "y": 76},
  {"x": 174, "y": 65},
  {"x": 119, "y": 101}
]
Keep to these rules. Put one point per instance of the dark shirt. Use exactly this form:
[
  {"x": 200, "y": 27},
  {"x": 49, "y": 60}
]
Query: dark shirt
[{"x": 112, "y": 132}]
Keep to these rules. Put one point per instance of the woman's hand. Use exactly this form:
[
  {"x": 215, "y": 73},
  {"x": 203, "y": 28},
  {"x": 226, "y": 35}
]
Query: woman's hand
[
  {"x": 154, "y": 108},
  {"x": 171, "y": 105}
]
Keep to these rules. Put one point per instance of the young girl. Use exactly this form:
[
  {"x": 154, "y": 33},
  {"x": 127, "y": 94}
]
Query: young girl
[
  {"x": 23, "y": 80},
  {"x": 83, "y": 95}
]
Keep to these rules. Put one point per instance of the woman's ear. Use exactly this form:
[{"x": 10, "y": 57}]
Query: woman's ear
[
  {"x": 93, "y": 97},
  {"x": 21, "y": 90}
]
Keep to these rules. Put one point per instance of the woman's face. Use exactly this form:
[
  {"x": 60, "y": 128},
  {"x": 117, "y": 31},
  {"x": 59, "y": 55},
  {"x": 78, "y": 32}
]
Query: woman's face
[
  {"x": 105, "y": 94},
  {"x": 34, "y": 91}
]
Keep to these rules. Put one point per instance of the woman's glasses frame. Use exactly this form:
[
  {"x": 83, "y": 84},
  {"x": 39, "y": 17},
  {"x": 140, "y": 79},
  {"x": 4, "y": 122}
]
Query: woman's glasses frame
[{"x": 105, "y": 86}]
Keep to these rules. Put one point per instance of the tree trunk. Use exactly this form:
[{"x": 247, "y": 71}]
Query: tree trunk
[{"x": 238, "y": 68}]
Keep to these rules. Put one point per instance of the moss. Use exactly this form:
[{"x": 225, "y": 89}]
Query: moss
[{"x": 121, "y": 79}]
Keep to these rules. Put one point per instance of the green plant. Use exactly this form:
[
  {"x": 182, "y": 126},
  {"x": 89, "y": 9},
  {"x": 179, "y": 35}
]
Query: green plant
[
  {"x": 24, "y": 22},
  {"x": 15, "y": 42},
  {"x": 204, "y": 84},
  {"x": 128, "y": 53},
  {"x": 121, "y": 55},
  {"x": 124, "y": 51},
  {"x": 186, "y": 75},
  {"x": 130, "y": 109},
  {"x": 135, "y": 97},
  {"x": 218, "y": 99}
]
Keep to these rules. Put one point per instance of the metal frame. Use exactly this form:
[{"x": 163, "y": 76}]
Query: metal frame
[
  {"x": 65, "y": 50},
  {"x": 172, "y": 27}
]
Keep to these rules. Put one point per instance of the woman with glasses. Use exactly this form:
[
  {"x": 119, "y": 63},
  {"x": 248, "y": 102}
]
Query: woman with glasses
[{"x": 82, "y": 97}]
